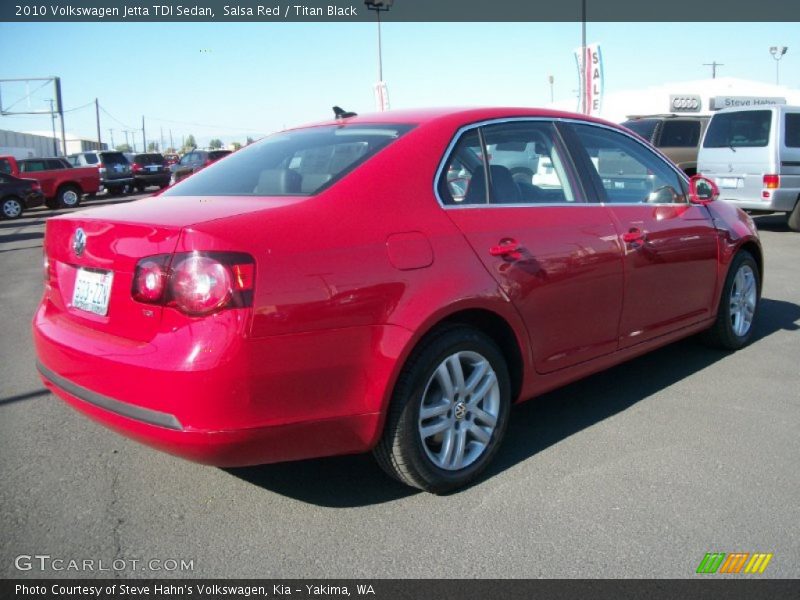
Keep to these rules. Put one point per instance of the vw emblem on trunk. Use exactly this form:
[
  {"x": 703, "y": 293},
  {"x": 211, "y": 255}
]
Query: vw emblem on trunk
[{"x": 79, "y": 241}]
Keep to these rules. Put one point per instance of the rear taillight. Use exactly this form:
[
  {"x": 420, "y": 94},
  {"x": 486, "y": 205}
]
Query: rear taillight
[
  {"x": 101, "y": 169},
  {"x": 150, "y": 280},
  {"x": 136, "y": 167},
  {"x": 772, "y": 182},
  {"x": 36, "y": 187},
  {"x": 48, "y": 269},
  {"x": 196, "y": 283}
]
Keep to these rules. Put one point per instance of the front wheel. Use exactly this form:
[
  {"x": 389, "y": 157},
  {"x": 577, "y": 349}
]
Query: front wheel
[
  {"x": 11, "y": 207},
  {"x": 69, "y": 196},
  {"x": 794, "y": 217},
  {"x": 448, "y": 412},
  {"x": 738, "y": 305}
]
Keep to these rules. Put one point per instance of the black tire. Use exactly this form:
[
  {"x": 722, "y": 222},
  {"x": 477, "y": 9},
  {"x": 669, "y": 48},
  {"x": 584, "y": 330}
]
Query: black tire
[
  {"x": 723, "y": 334},
  {"x": 114, "y": 191},
  {"x": 403, "y": 452},
  {"x": 794, "y": 217},
  {"x": 140, "y": 188},
  {"x": 51, "y": 203},
  {"x": 68, "y": 196},
  {"x": 11, "y": 207}
]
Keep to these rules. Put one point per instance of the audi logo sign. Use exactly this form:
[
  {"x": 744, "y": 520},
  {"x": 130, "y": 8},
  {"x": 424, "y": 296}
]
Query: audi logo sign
[{"x": 685, "y": 103}]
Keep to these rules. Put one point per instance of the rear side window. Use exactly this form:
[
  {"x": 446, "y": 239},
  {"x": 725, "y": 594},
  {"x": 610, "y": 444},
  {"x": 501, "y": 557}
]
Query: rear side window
[
  {"x": 793, "y": 130},
  {"x": 55, "y": 163},
  {"x": 31, "y": 166},
  {"x": 643, "y": 127},
  {"x": 679, "y": 134},
  {"x": 744, "y": 129},
  {"x": 300, "y": 162},
  {"x": 91, "y": 159},
  {"x": 217, "y": 154}
]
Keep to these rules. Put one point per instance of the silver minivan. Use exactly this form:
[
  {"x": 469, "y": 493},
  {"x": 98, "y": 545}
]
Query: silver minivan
[{"x": 753, "y": 155}]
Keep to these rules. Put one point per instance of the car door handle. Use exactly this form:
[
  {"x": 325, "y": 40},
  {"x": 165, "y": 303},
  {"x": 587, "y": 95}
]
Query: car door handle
[
  {"x": 634, "y": 236},
  {"x": 507, "y": 247}
]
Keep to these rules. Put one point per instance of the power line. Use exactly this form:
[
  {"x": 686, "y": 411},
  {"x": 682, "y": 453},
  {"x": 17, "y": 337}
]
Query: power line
[
  {"x": 223, "y": 127},
  {"x": 126, "y": 126}
]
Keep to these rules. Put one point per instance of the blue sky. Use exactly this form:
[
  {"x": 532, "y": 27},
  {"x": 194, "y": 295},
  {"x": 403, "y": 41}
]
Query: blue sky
[{"x": 230, "y": 80}]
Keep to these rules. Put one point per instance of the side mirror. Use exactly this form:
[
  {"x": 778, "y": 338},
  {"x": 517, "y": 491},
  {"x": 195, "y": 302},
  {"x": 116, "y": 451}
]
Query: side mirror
[{"x": 702, "y": 190}]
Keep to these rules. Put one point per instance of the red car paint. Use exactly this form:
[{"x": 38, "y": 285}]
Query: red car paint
[{"x": 346, "y": 283}]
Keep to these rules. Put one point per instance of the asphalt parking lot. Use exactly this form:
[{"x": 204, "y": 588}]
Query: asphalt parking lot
[{"x": 635, "y": 472}]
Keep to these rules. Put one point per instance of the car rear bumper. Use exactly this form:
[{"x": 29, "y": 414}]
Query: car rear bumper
[
  {"x": 240, "y": 402},
  {"x": 777, "y": 200},
  {"x": 222, "y": 448},
  {"x": 152, "y": 178},
  {"x": 116, "y": 182}
]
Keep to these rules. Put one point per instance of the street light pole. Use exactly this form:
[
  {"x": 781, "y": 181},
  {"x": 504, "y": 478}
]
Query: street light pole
[
  {"x": 777, "y": 53},
  {"x": 584, "y": 62},
  {"x": 378, "y": 6},
  {"x": 53, "y": 119}
]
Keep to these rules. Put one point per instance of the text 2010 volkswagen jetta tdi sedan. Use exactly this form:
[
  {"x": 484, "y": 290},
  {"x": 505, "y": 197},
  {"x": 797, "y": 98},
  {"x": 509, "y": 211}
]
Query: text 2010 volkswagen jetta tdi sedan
[{"x": 389, "y": 283}]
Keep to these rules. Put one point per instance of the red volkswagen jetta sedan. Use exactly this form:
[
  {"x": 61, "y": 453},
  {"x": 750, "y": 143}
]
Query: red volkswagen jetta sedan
[{"x": 392, "y": 283}]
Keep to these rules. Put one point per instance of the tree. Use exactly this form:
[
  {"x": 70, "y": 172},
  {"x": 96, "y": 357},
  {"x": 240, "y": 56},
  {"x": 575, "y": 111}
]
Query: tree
[
  {"x": 249, "y": 140},
  {"x": 236, "y": 146},
  {"x": 152, "y": 147},
  {"x": 189, "y": 144},
  {"x": 124, "y": 148},
  {"x": 215, "y": 144}
]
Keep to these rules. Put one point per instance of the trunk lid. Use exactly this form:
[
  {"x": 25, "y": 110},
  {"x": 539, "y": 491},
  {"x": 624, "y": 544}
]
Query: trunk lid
[{"x": 114, "y": 239}]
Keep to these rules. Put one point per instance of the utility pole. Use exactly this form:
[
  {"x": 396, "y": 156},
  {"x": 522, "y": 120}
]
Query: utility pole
[
  {"x": 97, "y": 117},
  {"x": 171, "y": 143},
  {"x": 111, "y": 135},
  {"x": 53, "y": 119},
  {"x": 161, "y": 148},
  {"x": 551, "y": 79},
  {"x": 713, "y": 66},
  {"x": 60, "y": 108},
  {"x": 126, "y": 138},
  {"x": 144, "y": 141}
]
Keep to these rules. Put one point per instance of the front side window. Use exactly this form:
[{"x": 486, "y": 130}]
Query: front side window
[
  {"x": 524, "y": 166},
  {"x": 743, "y": 129},
  {"x": 5, "y": 166},
  {"x": 679, "y": 134},
  {"x": 628, "y": 171},
  {"x": 299, "y": 162}
]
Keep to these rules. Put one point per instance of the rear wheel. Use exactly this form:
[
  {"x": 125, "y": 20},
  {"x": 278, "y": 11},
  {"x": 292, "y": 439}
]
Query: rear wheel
[
  {"x": 11, "y": 207},
  {"x": 738, "y": 305},
  {"x": 68, "y": 196},
  {"x": 448, "y": 413},
  {"x": 794, "y": 217}
]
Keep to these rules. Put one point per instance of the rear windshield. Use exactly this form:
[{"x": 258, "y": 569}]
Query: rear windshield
[
  {"x": 291, "y": 163},
  {"x": 744, "y": 129},
  {"x": 114, "y": 158},
  {"x": 644, "y": 127},
  {"x": 217, "y": 154},
  {"x": 148, "y": 159}
]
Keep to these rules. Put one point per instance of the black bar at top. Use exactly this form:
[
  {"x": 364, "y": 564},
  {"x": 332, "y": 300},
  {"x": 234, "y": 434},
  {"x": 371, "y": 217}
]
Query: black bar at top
[{"x": 403, "y": 11}]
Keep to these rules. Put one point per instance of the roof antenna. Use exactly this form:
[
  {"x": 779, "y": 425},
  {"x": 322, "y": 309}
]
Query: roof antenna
[{"x": 343, "y": 114}]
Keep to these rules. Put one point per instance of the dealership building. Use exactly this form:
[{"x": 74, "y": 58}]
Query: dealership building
[{"x": 703, "y": 96}]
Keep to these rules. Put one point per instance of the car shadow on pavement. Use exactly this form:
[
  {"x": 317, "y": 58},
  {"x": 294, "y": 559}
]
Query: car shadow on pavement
[
  {"x": 352, "y": 481},
  {"x": 18, "y": 237},
  {"x": 774, "y": 223}
]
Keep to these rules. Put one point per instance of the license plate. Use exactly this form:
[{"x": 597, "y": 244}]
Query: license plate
[
  {"x": 152, "y": 168},
  {"x": 92, "y": 291},
  {"x": 729, "y": 182}
]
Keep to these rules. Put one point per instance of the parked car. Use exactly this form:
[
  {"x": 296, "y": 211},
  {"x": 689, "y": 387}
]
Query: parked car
[
  {"x": 171, "y": 159},
  {"x": 325, "y": 290},
  {"x": 676, "y": 136},
  {"x": 113, "y": 167},
  {"x": 148, "y": 169},
  {"x": 62, "y": 185},
  {"x": 753, "y": 155},
  {"x": 193, "y": 161},
  {"x": 18, "y": 195}
]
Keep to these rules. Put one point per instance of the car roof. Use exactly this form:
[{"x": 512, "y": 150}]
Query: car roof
[
  {"x": 777, "y": 107},
  {"x": 450, "y": 116}
]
